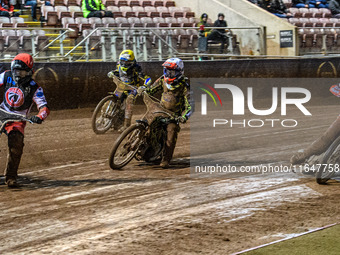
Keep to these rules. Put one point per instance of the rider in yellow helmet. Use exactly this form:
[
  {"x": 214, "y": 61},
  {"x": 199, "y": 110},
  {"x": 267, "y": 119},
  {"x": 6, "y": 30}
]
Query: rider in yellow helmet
[{"x": 130, "y": 72}]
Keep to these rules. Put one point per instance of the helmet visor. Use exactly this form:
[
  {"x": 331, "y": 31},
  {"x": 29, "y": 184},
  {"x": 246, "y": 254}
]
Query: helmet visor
[
  {"x": 126, "y": 63},
  {"x": 171, "y": 73}
]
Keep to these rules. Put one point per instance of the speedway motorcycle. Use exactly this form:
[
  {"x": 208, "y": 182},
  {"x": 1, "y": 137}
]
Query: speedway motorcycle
[
  {"x": 6, "y": 117},
  {"x": 144, "y": 140},
  {"x": 109, "y": 113}
]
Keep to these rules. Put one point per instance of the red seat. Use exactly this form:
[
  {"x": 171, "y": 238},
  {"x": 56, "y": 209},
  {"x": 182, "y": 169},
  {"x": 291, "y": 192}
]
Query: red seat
[
  {"x": 68, "y": 22},
  {"x": 133, "y": 3},
  {"x": 75, "y": 11},
  {"x": 109, "y": 22},
  {"x": 169, "y": 3},
  {"x": 326, "y": 13},
  {"x": 157, "y": 3},
  {"x": 83, "y": 23},
  {"x": 316, "y": 13}
]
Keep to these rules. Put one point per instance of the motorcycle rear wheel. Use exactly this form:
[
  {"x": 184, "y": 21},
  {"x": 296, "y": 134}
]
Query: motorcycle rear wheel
[
  {"x": 126, "y": 146},
  {"x": 103, "y": 115},
  {"x": 329, "y": 162}
]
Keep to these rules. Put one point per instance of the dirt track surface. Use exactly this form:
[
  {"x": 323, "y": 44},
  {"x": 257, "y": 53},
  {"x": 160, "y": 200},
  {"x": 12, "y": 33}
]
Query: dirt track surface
[{"x": 70, "y": 201}]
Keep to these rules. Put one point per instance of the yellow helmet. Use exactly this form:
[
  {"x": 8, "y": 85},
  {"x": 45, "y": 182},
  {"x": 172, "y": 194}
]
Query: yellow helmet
[{"x": 126, "y": 60}]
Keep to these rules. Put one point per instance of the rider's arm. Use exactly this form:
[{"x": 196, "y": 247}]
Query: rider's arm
[
  {"x": 2, "y": 77},
  {"x": 187, "y": 111},
  {"x": 40, "y": 101},
  {"x": 156, "y": 86}
]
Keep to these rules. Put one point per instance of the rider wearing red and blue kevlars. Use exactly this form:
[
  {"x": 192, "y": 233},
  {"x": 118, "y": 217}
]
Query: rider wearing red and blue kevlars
[
  {"x": 21, "y": 92},
  {"x": 175, "y": 89},
  {"x": 321, "y": 144}
]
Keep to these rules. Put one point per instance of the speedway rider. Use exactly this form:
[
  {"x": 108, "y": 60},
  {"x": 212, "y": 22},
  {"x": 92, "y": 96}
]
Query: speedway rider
[
  {"x": 322, "y": 143},
  {"x": 175, "y": 89},
  {"x": 129, "y": 72},
  {"x": 21, "y": 91}
]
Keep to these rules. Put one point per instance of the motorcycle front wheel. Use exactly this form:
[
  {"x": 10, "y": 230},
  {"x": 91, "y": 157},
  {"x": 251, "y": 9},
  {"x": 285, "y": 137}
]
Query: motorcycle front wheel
[
  {"x": 329, "y": 163},
  {"x": 126, "y": 146},
  {"x": 103, "y": 115}
]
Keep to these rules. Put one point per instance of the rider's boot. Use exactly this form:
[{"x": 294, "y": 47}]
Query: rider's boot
[
  {"x": 15, "y": 149},
  {"x": 127, "y": 123},
  {"x": 320, "y": 145},
  {"x": 172, "y": 132}
]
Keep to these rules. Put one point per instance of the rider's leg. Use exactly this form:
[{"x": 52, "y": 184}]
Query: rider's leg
[
  {"x": 15, "y": 149},
  {"x": 130, "y": 101},
  {"x": 172, "y": 133},
  {"x": 320, "y": 145}
]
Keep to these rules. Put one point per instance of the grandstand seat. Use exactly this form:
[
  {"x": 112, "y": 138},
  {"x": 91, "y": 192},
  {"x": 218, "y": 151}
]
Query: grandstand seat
[
  {"x": 135, "y": 22},
  {"x": 172, "y": 22},
  {"x": 176, "y": 12},
  {"x": 94, "y": 40},
  {"x": 68, "y": 22},
  {"x": 295, "y": 12},
  {"x": 326, "y": 13},
  {"x": 5, "y": 22},
  {"x": 193, "y": 42},
  {"x": 169, "y": 3},
  {"x": 127, "y": 11},
  {"x": 133, "y": 3},
  {"x": 305, "y": 13},
  {"x": 50, "y": 15},
  {"x": 139, "y": 10},
  {"x": 145, "y": 3},
  {"x": 308, "y": 38},
  {"x": 185, "y": 22},
  {"x": 182, "y": 38},
  {"x": 160, "y": 22},
  {"x": 120, "y": 3},
  {"x": 330, "y": 34},
  {"x": 62, "y": 11},
  {"x": 95, "y": 22},
  {"x": 25, "y": 40},
  {"x": 122, "y": 22},
  {"x": 157, "y": 3},
  {"x": 109, "y": 22},
  {"x": 326, "y": 22},
  {"x": 75, "y": 11},
  {"x": 18, "y": 22},
  {"x": 316, "y": 13},
  {"x": 288, "y": 3},
  {"x": 164, "y": 12},
  {"x": 187, "y": 12},
  {"x": 83, "y": 23},
  {"x": 115, "y": 10},
  {"x": 152, "y": 11},
  {"x": 194, "y": 20},
  {"x": 11, "y": 40},
  {"x": 41, "y": 40},
  {"x": 148, "y": 22},
  {"x": 70, "y": 3},
  {"x": 107, "y": 3},
  {"x": 335, "y": 22}
]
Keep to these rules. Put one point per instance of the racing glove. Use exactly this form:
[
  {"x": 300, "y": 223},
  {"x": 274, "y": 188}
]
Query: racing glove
[
  {"x": 181, "y": 119},
  {"x": 36, "y": 119}
]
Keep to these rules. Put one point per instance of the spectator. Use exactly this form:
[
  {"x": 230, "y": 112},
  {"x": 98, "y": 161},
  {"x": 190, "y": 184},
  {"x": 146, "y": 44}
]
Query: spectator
[
  {"x": 94, "y": 8},
  {"x": 318, "y": 4},
  {"x": 7, "y": 10},
  {"x": 253, "y": 1},
  {"x": 300, "y": 4},
  {"x": 220, "y": 34},
  {"x": 204, "y": 25},
  {"x": 276, "y": 7},
  {"x": 334, "y": 6}
]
